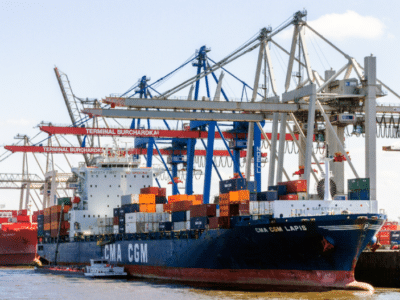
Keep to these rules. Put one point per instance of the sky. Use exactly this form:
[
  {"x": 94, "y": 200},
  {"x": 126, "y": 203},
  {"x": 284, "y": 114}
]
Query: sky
[{"x": 105, "y": 46}]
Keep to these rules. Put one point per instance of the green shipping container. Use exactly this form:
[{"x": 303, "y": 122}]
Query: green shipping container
[
  {"x": 358, "y": 184},
  {"x": 65, "y": 200}
]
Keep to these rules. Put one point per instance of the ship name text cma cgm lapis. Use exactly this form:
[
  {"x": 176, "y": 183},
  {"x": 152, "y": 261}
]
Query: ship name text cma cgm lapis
[{"x": 281, "y": 228}]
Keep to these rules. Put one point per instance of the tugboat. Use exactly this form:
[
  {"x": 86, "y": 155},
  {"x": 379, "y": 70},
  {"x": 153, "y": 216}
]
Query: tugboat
[{"x": 103, "y": 269}]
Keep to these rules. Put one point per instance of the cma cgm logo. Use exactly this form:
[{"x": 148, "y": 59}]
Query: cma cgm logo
[{"x": 136, "y": 252}]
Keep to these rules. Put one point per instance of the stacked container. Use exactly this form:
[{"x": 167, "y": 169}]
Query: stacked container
[
  {"x": 56, "y": 214},
  {"x": 200, "y": 214},
  {"x": 296, "y": 189},
  {"x": 234, "y": 197},
  {"x": 40, "y": 225},
  {"x": 105, "y": 225},
  {"x": 358, "y": 189},
  {"x": 47, "y": 222}
]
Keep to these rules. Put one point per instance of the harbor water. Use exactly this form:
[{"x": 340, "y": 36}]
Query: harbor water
[{"x": 25, "y": 283}]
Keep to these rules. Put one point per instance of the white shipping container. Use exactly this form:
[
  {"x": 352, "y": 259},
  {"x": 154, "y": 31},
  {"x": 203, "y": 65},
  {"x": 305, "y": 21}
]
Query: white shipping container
[
  {"x": 188, "y": 215},
  {"x": 166, "y": 217},
  {"x": 115, "y": 229},
  {"x": 159, "y": 208},
  {"x": 143, "y": 227},
  {"x": 254, "y": 207},
  {"x": 150, "y": 217},
  {"x": 130, "y": 228},
  {"x": 156, "y": 227},
  {"x": 302, "y": 196},
  {"x": 217, "y": 215},
  {"x": 136, "y": 217},
  {"x": 187, "y": 225},
  {"x": 130, "y": 199},
  {"x": 158, "y": 217},
  {"x": 109, "y": 221},
  {"x": 179, "y": 225}
]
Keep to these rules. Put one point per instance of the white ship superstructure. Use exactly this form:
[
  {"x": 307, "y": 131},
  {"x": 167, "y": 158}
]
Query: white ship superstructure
[{"x": 100, "y": 188}]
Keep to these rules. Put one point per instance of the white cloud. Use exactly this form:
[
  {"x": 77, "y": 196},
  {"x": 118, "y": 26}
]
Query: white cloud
[{"x": 348, "y": 25}]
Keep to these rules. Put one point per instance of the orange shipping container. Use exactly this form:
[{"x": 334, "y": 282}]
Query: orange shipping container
[
  {"x": 176, "y": 198},
  {"x": 150, "y": 208},
  {"x": 224, "y": 197},
  {"x": 147, "y": 199},
  {"x": 53, "y": 225},
  {"x": 47, "y": 211},
  {"x": 197, "y": 202},
  {"x": 167, "y": 207},
  {"x": 199, "y": 197},
  {"x": 47, "y": 227}
]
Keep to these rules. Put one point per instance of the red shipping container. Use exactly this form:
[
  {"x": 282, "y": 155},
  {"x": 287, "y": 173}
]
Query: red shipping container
[
  {"x": 23, "y": 218},
  {"x": 34, "y": 218},
  {"x": 3, "y": 220},
  {"x": 233, "y": 210},
  {"x": 23, "y": 212},
  {"x": 203, "y": 210},
  {"x": 46, "y": 219},
  {"x": 384, "y": 241},
  {"x": 116, "y": 221},
  {"x": 389, "y": 227},
  {"x": 181, "y": 206},
  {"x": 384, "y": 234},
  {"x": 244, "y": 209},
  {"x": 224, "y": 222},
  {"x": 65, "y": 225},
  {"x": 289, "y": 197},
  {"x": 295, "y": 186},
  {"x": 161, "y": 192},
  {"x": 167, "y": 207}
]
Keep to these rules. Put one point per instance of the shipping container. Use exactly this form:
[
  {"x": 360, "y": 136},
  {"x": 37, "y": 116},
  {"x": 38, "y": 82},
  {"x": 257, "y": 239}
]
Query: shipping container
[
  {"x": 281, "y": 189},
  {"x": 130, "y": 228},
  {"x": 302, "y": 196},
  {"x": 295, "y": 186},
  {"x": 359, "y": 195},
  {"x": 267, "y": 196},
  {"x": 130, "y": 199},
  {"x": 289, "y": 197},
  {"x": 165, "y": 226},
  {"x": 116, "y": 212},
  {"x": 358, "y": 184},
  {"x": 162, "y": 192},
  {"x": 253, "y": 196},
  {"x": 178, "y": 226},
  {"x": 198, "y": 223},
  {"x": 147, "y": 199},
  {"x": 161, "y": 199},
  {"x": 340, "y": 197},
  {"x": 204, "y": 210},
  {"x": 149, "y": 208},
  {"x": 116, "y": 229},
  {"x": 159, "y": 208},
  {"x": 181, "y": 206},
  {"x": 179, "y": 216},
  {"x": 254, "y": 207}
]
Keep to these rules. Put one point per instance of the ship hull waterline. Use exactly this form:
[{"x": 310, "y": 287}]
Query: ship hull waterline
[{"x": 288, "y": 253}]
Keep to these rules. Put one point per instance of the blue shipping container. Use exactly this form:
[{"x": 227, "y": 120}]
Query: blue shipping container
[
  {"x": 359, "y": 195},
  {"x": 240, "y": 184},
  {"x": 130, "y": 208},
  {"x": 395, "y": 236},
  {"x": 178, "y": 216},
  {"x": 267, "y": 196},
  {"x": 121, "y": 229},
  {"x": 253, "y": 197},
  {"x": 281, "y": 189},
  {"x": 165, "y": 226},
  {"x": 121, "y": 221},
  {"x": 251, "y": 186},
  {"x": 40, "y": 232},
  {"x": 226, "y": 186},
  {"x": 198, "y": 223},
  {"x": 116, "y": 212}
]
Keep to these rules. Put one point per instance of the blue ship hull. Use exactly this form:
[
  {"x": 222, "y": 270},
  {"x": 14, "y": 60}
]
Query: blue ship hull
[{"x": 319, "y": 252}]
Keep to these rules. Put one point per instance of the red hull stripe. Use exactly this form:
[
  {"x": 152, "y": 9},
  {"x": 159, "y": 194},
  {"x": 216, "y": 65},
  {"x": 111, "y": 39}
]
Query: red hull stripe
[
  {"x": 253, "y": 278},
  {"x": 17, "y": 259}
]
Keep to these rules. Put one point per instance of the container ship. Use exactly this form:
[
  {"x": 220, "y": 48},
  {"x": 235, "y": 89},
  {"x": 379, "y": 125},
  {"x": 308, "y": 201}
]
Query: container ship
[
  {"x": 18, "y": 237},
  {"x": 246, "y": 240}
]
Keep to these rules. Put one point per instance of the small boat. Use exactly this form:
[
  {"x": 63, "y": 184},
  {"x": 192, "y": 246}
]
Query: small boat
[{"x": 100, "y": 268}]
